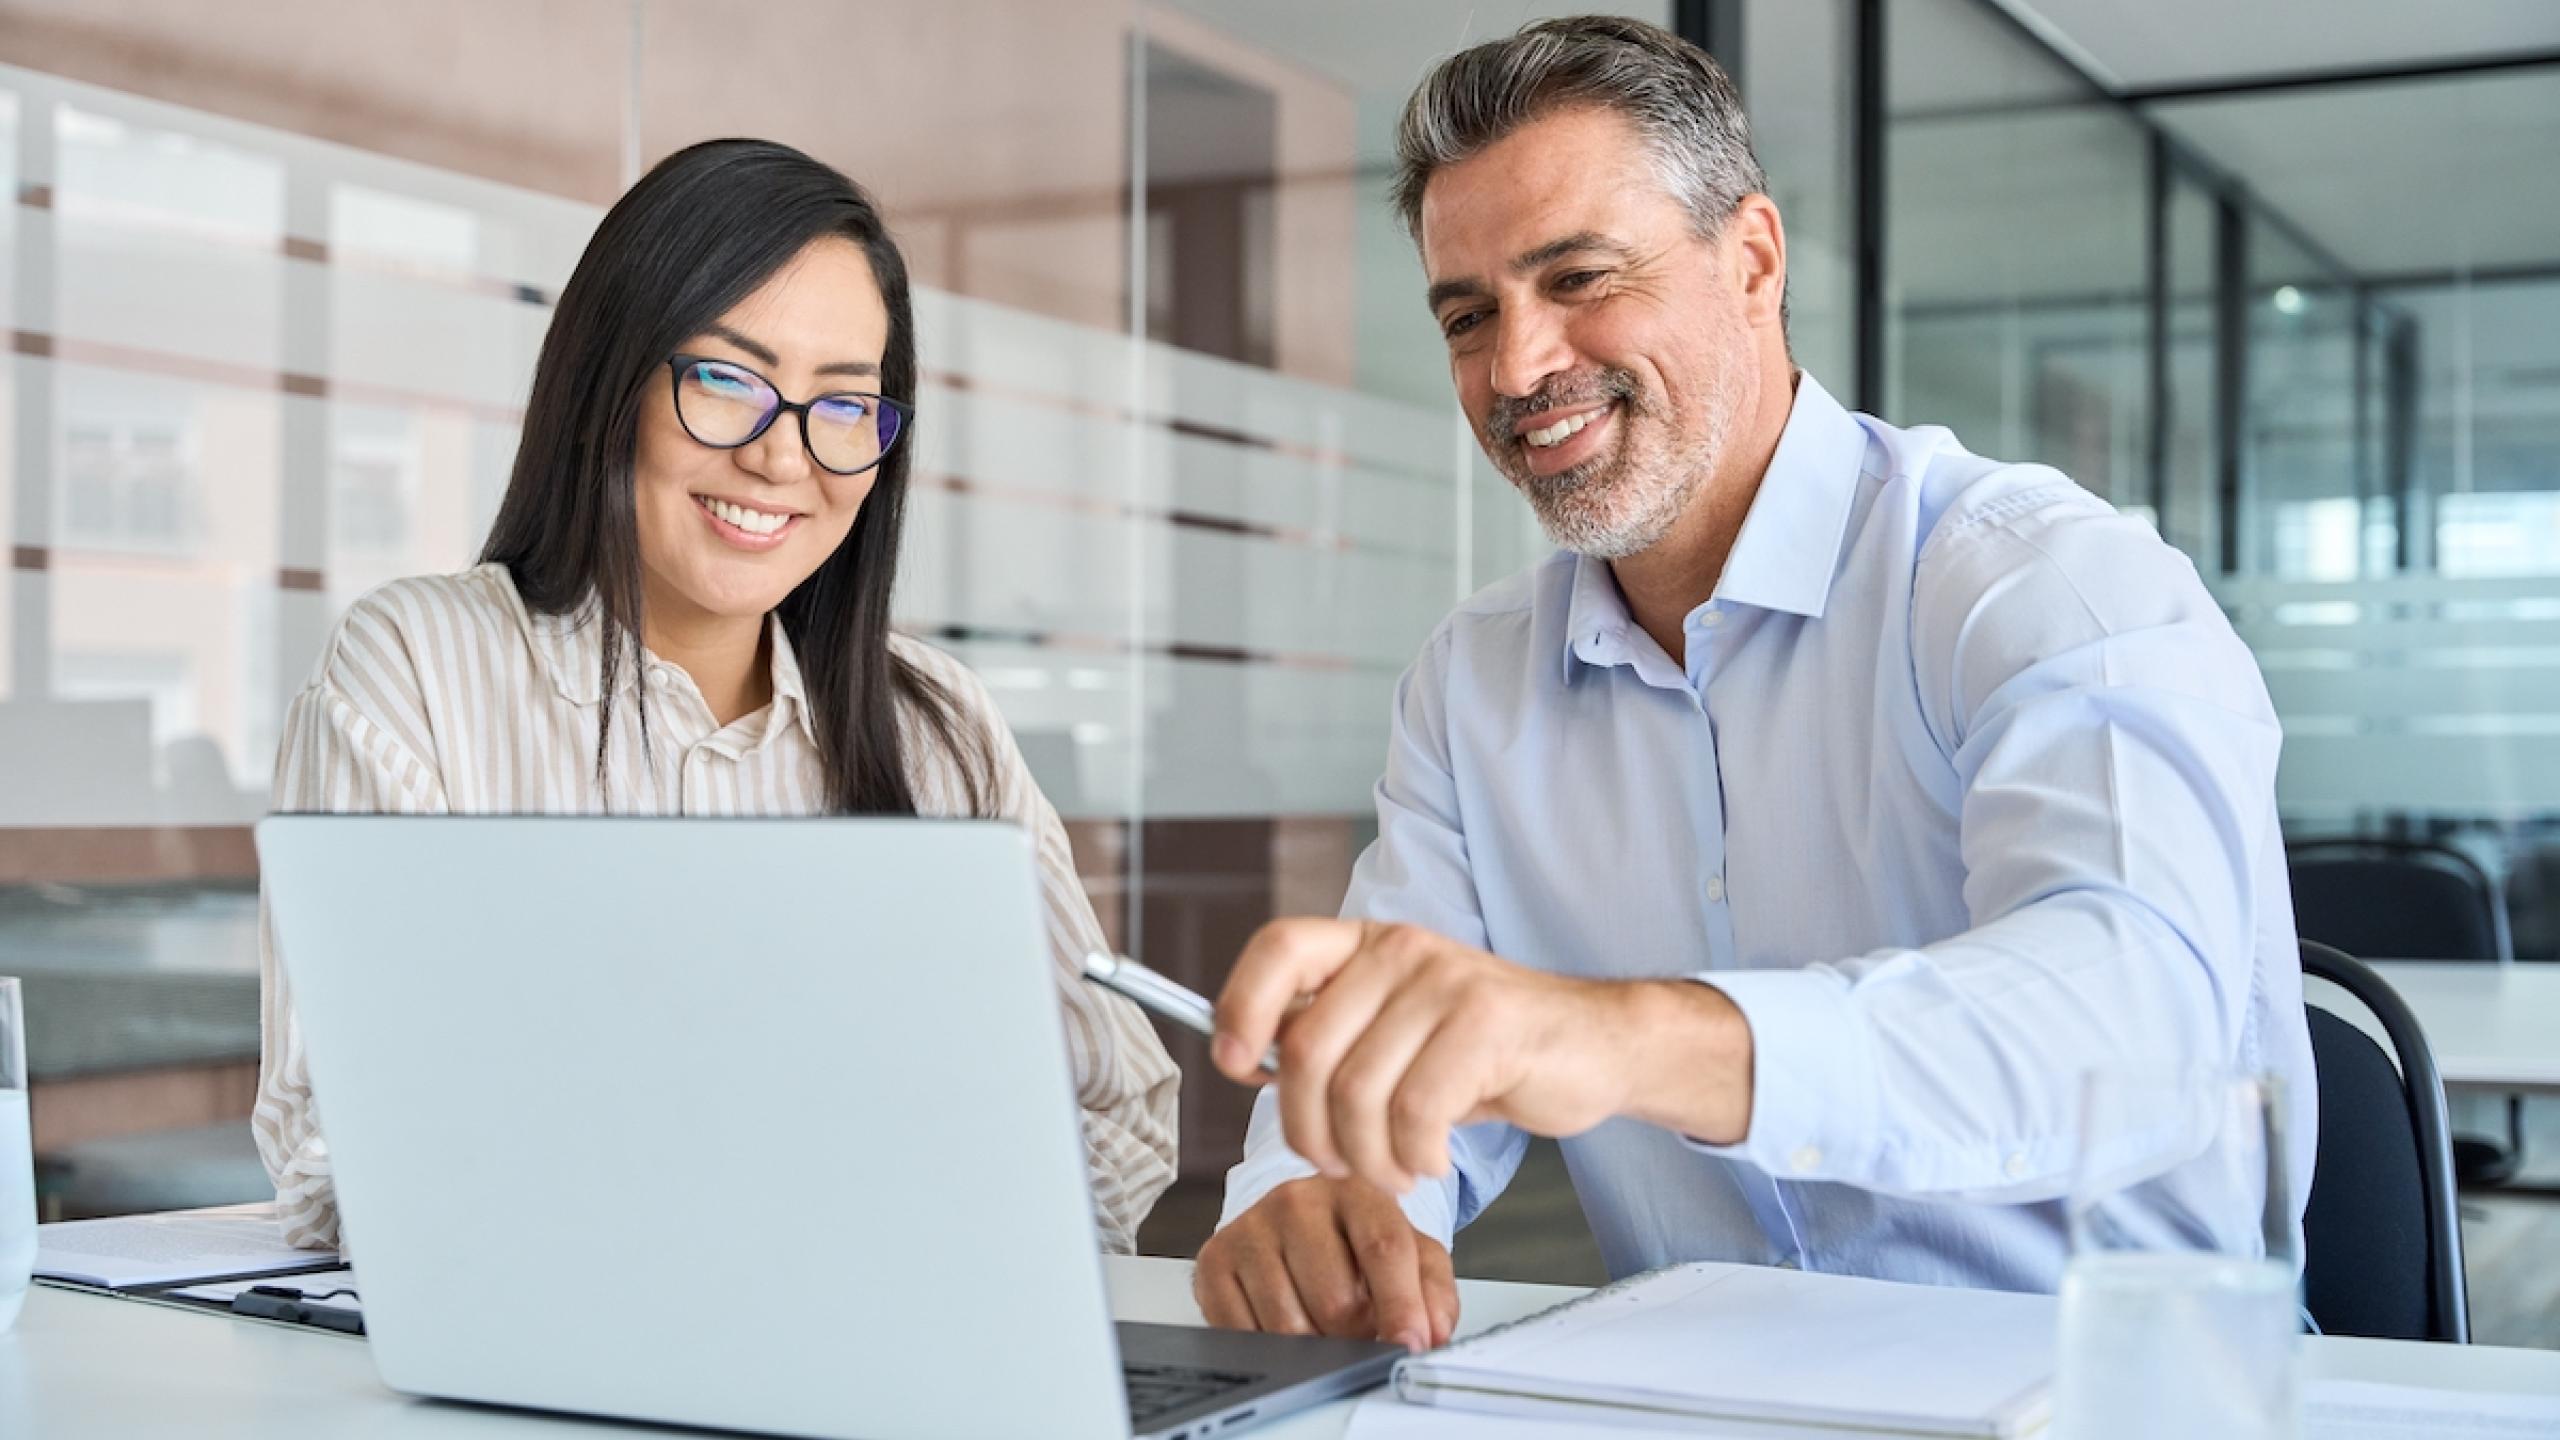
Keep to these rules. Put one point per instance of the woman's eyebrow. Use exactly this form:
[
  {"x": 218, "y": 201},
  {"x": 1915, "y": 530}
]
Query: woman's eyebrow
[
  {"x": 765, "y": 355},
  {"x": 758, "y": 350}
]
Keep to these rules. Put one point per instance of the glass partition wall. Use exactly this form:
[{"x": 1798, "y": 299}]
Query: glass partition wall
[
  {"x": 2302, "y": 327},
  {"x": 1191, "y": 489}
]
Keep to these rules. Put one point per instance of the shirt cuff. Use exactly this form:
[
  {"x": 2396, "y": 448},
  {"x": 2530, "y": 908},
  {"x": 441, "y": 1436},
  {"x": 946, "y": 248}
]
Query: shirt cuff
[
  {"x": 1812, "y": 1078},
  {"x": 1269, "y": 1163}
]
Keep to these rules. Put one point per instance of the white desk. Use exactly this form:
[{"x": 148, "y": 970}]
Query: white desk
[
  {"x": 84, "y": 1367},
  {"x": 2491, "y": 1026}
]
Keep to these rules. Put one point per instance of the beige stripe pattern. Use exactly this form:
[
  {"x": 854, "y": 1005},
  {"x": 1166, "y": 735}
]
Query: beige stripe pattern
[{"x": 445, "y": 695}]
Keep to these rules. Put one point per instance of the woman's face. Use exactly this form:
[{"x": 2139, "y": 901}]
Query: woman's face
[{"x": 726, "y": 534}]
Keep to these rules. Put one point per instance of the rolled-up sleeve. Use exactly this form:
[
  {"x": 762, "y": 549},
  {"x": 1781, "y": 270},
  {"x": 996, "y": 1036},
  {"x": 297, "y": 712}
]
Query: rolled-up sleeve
[
  {"x": 1126, "y": 1085},
  {"x": 333, "y": 759},
  {"x": 2116, "y": 752},
  {"x": 1127, "y": 1088},
  {"x": 1414, "y": 873}
]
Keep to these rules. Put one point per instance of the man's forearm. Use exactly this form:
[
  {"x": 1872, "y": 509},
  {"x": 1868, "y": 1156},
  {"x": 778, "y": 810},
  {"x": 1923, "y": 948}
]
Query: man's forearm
[{"x": 1687, "y": 1056}]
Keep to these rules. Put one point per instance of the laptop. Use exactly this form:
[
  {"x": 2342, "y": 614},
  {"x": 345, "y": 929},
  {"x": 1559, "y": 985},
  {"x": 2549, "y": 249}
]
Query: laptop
[{"x": 758, "y": 1124}]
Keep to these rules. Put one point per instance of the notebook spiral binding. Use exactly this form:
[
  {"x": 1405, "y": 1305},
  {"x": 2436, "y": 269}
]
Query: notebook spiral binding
[{"x": 1414, "y": 1392}]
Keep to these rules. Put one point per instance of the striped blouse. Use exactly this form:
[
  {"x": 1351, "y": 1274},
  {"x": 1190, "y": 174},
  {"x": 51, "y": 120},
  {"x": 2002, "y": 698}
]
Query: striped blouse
[{"x": 444, "y": 694}]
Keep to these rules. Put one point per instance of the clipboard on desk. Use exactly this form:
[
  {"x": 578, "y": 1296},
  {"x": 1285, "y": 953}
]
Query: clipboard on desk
[
  {"x": 228, "y": 1261},
  {"x": 325, "y": 1298}
]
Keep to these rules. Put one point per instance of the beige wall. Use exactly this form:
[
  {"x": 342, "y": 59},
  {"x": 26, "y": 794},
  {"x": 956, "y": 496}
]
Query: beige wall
[
  {"x": 995, "y": 132},
  {"x": 530, "y": 92}
]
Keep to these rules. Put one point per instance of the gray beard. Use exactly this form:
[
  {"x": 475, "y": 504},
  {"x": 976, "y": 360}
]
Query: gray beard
[{"x": 1623, "y": 504}]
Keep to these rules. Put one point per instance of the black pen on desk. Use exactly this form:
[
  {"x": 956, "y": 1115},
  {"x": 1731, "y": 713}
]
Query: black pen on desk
[{"x": 1172, "y": 1000}]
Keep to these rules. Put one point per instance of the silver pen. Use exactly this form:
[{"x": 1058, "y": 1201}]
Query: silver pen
[{"x": 1174, "y": 1001}]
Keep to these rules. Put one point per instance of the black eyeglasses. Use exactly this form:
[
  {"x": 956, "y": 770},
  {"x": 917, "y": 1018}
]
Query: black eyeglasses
[{"x": 724, "y": 405}]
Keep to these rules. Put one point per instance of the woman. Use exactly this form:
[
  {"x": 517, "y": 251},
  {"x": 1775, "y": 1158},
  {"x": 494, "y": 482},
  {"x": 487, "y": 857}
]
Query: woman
[{"x": 684, "y": 608}]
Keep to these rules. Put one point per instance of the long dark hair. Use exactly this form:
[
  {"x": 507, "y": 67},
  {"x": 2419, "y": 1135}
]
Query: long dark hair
[{"x": 696, "y": 236}]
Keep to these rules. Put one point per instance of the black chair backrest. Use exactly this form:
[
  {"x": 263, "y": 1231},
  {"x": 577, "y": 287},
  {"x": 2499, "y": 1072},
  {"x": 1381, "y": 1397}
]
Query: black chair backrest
[
  {"x": 2397, "y": 900},
  {"x": 2382, "y": 1241}
]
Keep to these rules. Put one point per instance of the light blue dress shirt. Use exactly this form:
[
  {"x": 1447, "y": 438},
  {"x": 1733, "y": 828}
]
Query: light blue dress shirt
[{"x": 1966, "y": 788}]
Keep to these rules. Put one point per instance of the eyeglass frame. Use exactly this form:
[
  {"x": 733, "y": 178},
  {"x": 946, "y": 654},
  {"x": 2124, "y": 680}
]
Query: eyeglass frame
[{"x": 676, "y": 364}]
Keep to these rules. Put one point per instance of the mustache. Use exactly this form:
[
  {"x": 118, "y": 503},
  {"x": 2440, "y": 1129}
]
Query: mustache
[{"x": 1502, "y": 423}]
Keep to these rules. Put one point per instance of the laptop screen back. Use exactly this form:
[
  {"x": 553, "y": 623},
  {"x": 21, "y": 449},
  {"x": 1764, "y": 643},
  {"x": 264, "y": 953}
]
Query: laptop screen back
[{"x": 764, "y": 1124}]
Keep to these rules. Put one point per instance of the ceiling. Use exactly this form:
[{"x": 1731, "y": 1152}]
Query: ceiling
[
  {"x": 2434, "y": 175},
  {"x": 2448, "y": 174},
  {"x": 2182, "y": 42}
]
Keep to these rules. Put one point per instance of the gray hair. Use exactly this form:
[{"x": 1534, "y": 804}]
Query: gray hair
[{"x": 1680, "y": 101}]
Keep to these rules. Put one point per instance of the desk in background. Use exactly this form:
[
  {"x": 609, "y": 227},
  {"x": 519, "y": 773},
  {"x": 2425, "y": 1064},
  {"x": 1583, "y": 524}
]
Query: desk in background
[{"x": 2492, "y": 1026}]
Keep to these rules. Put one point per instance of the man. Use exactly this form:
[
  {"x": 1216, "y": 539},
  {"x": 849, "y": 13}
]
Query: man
[{"x": 1832, "y": 803}]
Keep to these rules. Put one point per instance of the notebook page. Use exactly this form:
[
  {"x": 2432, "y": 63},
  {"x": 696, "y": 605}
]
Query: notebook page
[
  {"x": 1381, "y": 1416},
  {"x": 1753, "y": 1341},
  {"x": 169, "y": 1248}
]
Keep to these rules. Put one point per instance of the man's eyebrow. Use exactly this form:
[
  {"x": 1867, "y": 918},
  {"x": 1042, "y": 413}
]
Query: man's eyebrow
[
  {"x": 1579, "y": 243},
  {"x": 764, "y": 354},
  {"x": 1575, "y": 244},
  {"x": 1448, "y": 290}
]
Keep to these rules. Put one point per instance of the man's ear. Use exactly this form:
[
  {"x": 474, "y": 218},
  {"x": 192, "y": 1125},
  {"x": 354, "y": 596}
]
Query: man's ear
[{"x": 1755, "y": 244}]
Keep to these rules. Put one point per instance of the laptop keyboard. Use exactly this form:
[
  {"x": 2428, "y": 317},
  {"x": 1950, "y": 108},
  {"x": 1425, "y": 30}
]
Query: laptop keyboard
[{"x": 1156, "y": 1391}]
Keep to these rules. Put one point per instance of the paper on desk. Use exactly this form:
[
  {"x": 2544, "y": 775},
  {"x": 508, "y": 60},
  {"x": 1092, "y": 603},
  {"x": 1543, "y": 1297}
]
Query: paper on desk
[
  {"x": 1381, "y": 1416},
  {"x": 169, "y": 1249},
  {"x": 2332, "y": 1410},
  {"x": 2359, "y": 1410}
]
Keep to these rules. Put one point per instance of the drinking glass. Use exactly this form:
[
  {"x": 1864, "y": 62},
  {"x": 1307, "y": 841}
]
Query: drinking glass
[
  {"x": 2181, "y": 1300},
  {"x": 17, "y": 1161}
]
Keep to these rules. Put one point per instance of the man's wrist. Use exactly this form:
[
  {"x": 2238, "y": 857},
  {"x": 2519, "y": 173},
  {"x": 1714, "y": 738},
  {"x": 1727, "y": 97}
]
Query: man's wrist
[{"x": 1688, "y": 1058}]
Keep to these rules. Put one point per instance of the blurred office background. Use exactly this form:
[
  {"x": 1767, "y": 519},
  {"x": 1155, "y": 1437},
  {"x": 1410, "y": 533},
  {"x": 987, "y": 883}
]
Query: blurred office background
[{"x": 2282, "y": 276}]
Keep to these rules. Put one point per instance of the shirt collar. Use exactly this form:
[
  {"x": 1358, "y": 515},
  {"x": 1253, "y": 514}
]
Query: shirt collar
[
  {"x": 1788, "y": 550},
  {"x": 571, "y": 650},
  {"x": 787, "y": 687}
]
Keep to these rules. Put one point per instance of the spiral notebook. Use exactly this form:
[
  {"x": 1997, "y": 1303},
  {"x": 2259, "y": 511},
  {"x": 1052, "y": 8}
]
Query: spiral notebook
[{"x": 1749, "y": 1349}]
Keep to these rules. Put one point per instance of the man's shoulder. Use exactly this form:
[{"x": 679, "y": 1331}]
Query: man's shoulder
[
  {"x": 1976, "y": 509},
  {"x": 1522, "y": 591},
  {"x": 1506, "y": 616},
  {"x": 2053, "y": 563}
]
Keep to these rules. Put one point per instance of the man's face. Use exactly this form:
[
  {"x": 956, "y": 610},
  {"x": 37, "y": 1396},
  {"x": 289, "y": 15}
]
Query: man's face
[{"x": 1598, "y": 343}]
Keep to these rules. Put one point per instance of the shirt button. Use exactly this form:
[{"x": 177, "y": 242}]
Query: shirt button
[
  {"x": 659, "y": 677},
  {"x": 1715, "y": 889},
  {"x": 1712, "y": 618},
  {"x": 2016, "y": 1168},
  {"x": 1806, "y": 1160}
]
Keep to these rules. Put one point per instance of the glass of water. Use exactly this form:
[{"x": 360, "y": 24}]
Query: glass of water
[
  {"x": 17, "y": 1161},
  {"x": 2180, "y": 1304}
]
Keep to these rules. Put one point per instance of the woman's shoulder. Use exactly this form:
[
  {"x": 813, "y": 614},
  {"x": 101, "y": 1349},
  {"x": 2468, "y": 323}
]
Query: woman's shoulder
[
  {"x": 977, "y": 756},
  {"x": 406, "y": 624},
  {"x": 413, "y": 599},
  {"x": 969, "y": 694}
]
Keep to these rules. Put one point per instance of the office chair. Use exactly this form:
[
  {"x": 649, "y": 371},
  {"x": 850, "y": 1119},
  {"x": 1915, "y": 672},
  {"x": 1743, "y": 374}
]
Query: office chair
[
  {"x": 2411, "y": 900},
  {"x": 2382, "y": 1242}
]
